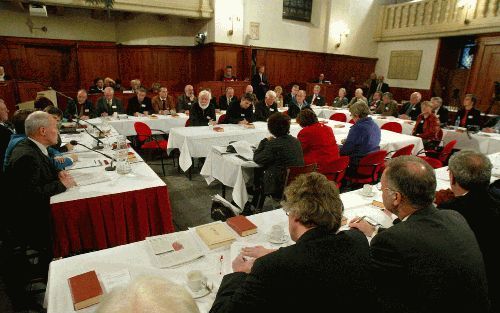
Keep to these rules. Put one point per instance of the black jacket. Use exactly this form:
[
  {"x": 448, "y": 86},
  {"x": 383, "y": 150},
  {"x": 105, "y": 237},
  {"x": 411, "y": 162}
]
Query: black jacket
[
  {"x": 473, "y": 117},
  {"x": 33, "y": 179},
  {"x": 86, "y": 109},
  {"x": 442, "y": 113},
  {"x": 429, "y": 263},
  {"x": 102, "y": 106},
  {"x": 322, "y": 272},
  {"x": 258, "y": 89},
  {"x": 235, "y": 113},
  {"x": 200, "y": 117},
  {"x": 294, "y": 110},
  {"x": 482, "y": 212},
  {"x": 412, "y": 112},
  {"x": 223, "y": 105},
  {"x": 319, "y": 100},
  {"x": 134, "y": 106},
  {"x": 262, "y": 111},
  {"x": 184, "y": 103},
  {"x": 275, "y": 156},
  {"x": 5, "y": 133}
]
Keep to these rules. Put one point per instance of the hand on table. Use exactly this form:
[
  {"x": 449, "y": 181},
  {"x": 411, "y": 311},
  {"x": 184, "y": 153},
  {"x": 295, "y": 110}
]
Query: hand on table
[
  {"x": 362, "y": 226},
  {"x": 66, "y": 179},
  {"x": 69, "y": 146},
  {"x": 240, "y": 264},
  {"x": 256, "y": 252},
  {"x": 104, "y": 114}
]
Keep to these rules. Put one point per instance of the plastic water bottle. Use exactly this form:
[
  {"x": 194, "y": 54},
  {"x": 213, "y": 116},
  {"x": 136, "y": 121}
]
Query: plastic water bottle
[{"x": 457, "y": 121}]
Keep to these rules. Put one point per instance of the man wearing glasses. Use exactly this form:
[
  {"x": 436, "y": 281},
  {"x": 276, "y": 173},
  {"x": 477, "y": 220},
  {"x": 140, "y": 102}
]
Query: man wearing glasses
[
  {"x": 323, "y": 269},
  {"x": 430, "y": 261}
]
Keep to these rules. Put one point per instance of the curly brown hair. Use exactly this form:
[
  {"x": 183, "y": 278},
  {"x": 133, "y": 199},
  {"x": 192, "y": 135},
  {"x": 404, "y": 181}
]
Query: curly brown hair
[{"x": 306, "y": 117}]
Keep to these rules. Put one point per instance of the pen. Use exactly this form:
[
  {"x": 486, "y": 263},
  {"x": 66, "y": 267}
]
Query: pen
[
  {"x": 360, "y": 219},
  {"x": 221, "y": 259}
]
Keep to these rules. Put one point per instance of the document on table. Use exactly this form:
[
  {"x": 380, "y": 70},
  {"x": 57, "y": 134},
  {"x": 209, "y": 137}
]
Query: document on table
[
  {"x": 185, "y": 248},
  {"x": 83, "y": 179},
  {"x": 86, "y": 163},
  {"x": 237, "y": 246},
  {"x": 244, "y": 149},
  {"x": 115, "y": 279}
]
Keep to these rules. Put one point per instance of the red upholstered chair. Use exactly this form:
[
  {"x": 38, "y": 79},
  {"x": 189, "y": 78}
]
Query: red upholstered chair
[
  {"x": 148, "y": 142},
  {"x": 369, "y": 168},
  {"x": 294, "y": 171},
  {"x": 339, "y": 117},
  {"x": 351, "y": 121},
  {"x": 336, "y": 170},
  {"x": 188, "y": 122},
  {"x": 393, "y": 127},
  {"x": 435, "y": 163},
  {"x": 403, "y": 151},
  {"x": 442, "y": 156},
  {"x": 222, "y": 119}
]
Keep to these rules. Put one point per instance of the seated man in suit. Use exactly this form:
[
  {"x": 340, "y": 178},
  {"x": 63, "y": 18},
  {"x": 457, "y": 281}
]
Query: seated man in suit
[
  {"x": 82, "y": 107},
  {"x": 321, "y": 79},
  {"x": 186, "y": 100},
  {"x": 140, "y": 104},
  {"x": 163, "y": 103},
  {"x": 135, "y": 84},
  {"x": 469, "y": 115},
  {"x": 33, "y": 180},
  {"x": 266, "y": 107},
  {"x": 242, "y": 112},
  {"x": 227, "y": 99},
  {"x": 411, "y": 110},
  {"x": 108, "y": 104},
  {"x": 440, "y": 111},
  {"x": 202, "y": 112},
  {"x": 470, "y": 174},
  {"x": 358, "y": 96},
  {"x": 492, "y": 126},
  {"x": 430, "y": 261},
  {"x": 331, "y": 268},
  {"x": 98, "y": 86},
  {"x": 300, "y": 104},
  {"x": 316, "y": 98},
  {"x": 375, "y": 100},
  {"x": 289, "y": 98},
  {"x": 388, "y": 107}
]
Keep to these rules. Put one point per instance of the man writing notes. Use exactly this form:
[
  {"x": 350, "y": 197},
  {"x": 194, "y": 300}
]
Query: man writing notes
[
  {"x": 323, "y": 269},
  {"x": 242, "y": 112}
]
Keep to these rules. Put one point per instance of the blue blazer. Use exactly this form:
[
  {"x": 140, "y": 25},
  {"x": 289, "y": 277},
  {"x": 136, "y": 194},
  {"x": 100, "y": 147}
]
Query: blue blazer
[{"x": 363, "y": 138}]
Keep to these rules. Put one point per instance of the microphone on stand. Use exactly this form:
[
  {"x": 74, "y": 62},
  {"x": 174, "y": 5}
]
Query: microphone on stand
[
  {"x": 100, "y": 144},
  {"x": 110, "y": 167}
]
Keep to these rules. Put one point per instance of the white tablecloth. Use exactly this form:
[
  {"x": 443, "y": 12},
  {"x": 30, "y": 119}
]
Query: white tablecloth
[
  {"x": 406, "y": 124},
  {"x": 137, "y": 260},
  {"x": 484, "y": 142},
  {"x": 326, "y": 112}
]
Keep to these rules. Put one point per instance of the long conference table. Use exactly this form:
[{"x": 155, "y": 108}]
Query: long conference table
[
  {"x": 109, "y": 209},
  {"x": 137, "y": 258}
]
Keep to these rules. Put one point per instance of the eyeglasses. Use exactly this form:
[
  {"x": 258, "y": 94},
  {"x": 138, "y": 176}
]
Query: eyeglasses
[{"x": 286, "y": 211}]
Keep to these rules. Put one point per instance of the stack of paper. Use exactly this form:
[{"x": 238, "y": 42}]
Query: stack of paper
[
  {"x": 244, "y": 149},
  {"x": 83, "y": 179},
  {"x": 174, "y": 249}
]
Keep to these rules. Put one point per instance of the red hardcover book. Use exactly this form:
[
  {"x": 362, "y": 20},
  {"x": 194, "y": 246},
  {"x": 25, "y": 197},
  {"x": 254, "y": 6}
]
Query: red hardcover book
[
  {"x": 242, "y": 225},
  {"x": 85, "y": 290}
]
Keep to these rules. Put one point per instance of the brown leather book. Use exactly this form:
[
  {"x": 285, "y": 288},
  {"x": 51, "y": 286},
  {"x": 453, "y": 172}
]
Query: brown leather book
[
  {"x": 85, "y": 290},
  {"x": 242, "y": 225}
]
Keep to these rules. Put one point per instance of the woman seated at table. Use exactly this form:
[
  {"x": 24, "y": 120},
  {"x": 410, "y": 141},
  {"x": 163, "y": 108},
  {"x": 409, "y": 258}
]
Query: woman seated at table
[
  {"x": 341, "y": 101},
  {"x": 318, "y": 141},
  {"x": 469, "y": 116},
  {"x": 427, "y": 126},
  {"x": 274, "y": 154},
  {"x": 363, "y": 137},
  {"x": 202, "y": 112},
  {"x": 279, "y": 96},
  {"x": 388, "y": 107}
]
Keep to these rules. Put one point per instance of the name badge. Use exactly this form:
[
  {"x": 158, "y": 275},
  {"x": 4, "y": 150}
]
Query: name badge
[
  {"x": 422, "y": 121},
  {"x": 189, "y": 103},
  {"x": 209, "y": 118},
  {"x": 114, "y": 106},
  {"x": 242, "y": 115},
  {"x": 387, "y": 108},
  {"x": 271, "y": 110},
  {"x": 413, "y": 109},
  {"x": 470, "y": 116},
  {"x": 318, "y": 98},
  {"x": 87, "y": 110},
  {"x": 143, "y": 105}
]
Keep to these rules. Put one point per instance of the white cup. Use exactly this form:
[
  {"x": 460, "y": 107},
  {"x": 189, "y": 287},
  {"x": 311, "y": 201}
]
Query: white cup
[
  {"x": 367, "y": 189},
  {"x": 277, "y": 233},
  {"x": 196, "y": 280}
]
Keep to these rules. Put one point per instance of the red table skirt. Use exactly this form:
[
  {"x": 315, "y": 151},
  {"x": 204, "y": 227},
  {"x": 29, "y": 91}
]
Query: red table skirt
[{"x": 109, "y": 221}]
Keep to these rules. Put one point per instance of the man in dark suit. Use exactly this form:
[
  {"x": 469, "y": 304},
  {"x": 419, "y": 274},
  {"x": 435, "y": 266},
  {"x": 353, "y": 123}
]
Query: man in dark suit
[
  {"x": 264, "y": 109},
  {"x": 202, "y": 112},
  {"x": 33, "y": 179},
  {"x": 411, "y": 110},
  {"x": 321, "y": 79},
  {"x": 300, "y": 104},
  {"x": 289, "y": 98},
  {"x": 430, "y": 261},
  {"x": 260, "y": 83},
  {"x": 381, "y": 86},
  {"x": 469, "y": 115},
  {"x": 440, "y": 111},
  {"x": 242, "y": 112},
  {"x": 140, "y": 104},
  {"x": 98, "y": 86},
  {"x": 316, "y": 98},
  {"x": 470, "y": 174},
  {"x": 186, "y": 100},
  {"x": 323, "y": 269},
  {"x": 227, "y": 99},
  {"x": 108, "y": 104},
  {"x": 82, "y": 107},
  {"x": 6, "y": 131}
]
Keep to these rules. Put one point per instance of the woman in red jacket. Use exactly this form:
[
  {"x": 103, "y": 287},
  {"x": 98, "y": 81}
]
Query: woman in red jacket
[
  {"x": 428, "y": 127},
  {"x": 318, "y": 141}
]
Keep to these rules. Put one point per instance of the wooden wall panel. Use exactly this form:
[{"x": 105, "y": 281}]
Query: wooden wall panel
[
  {"x": 403, "y": 94},
  {"x": 172, "y": 65},
  {"x": 8, "y": 95},
  {"x": 136, "y": 63},
  {"x": 99, "y": 61}
]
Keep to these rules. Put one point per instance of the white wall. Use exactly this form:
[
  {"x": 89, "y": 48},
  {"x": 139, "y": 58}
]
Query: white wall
[{"x": 429, "y": 55}]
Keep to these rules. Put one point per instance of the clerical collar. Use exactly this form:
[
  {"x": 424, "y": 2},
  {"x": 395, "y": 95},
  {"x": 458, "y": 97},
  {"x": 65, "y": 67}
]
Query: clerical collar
[
  {"x": 40, "y": 146},
  {"x": 163, "y": 99}
]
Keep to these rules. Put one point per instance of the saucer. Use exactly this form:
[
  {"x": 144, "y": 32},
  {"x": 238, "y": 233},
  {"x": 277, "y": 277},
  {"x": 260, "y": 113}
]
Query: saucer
[
  {"x": 371, "y": 194},
  {"x": 283, "y": 239},
  {"x": 200, "y": 293}
]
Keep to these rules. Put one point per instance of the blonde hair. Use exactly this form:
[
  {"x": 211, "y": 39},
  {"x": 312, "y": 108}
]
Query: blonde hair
[
  {"x": 314, "y": 201},
  {"x": 147, "y": 294}
]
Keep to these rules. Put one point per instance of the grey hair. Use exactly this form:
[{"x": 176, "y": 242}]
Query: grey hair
[
  {"x": 471, "y": 169},
  {"x": 109, "y": 89},
  {"x": 270, "y": 93},
  {"x": 82, "y": 91},
  {"x": 148, "y": 294},
  {"x": 343, "y": 90},
  {"x": 414, "y": 178},
  {"x": 359, "y": 90},
  {"x": 36, "y": 120},
  {"x": 438, "y": 99},
  {"x": 205, "y": 93},
  {"x": 360, "y": 109},
  {"x": 417, "y": 94}
]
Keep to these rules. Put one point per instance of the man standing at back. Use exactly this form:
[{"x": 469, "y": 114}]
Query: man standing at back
[
  {"x": 260, "y": 83},
  {"x": 430, "y": 261}
]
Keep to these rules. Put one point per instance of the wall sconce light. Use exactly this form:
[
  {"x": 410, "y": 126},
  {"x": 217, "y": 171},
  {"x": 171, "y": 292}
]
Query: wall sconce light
[
  {"x": 467, "y": 5},
  {"x": 232, "y": 19},
  {"x": 340, "y": 38},
  {"x": 339, "y": 30}
]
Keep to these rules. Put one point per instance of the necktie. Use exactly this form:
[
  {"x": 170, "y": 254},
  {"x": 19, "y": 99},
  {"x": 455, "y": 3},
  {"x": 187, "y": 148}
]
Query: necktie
[
  {"x": 379, "y": 86},
  {"x": 163, "y": 104},
  {"x": 314, "y": 98}
]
